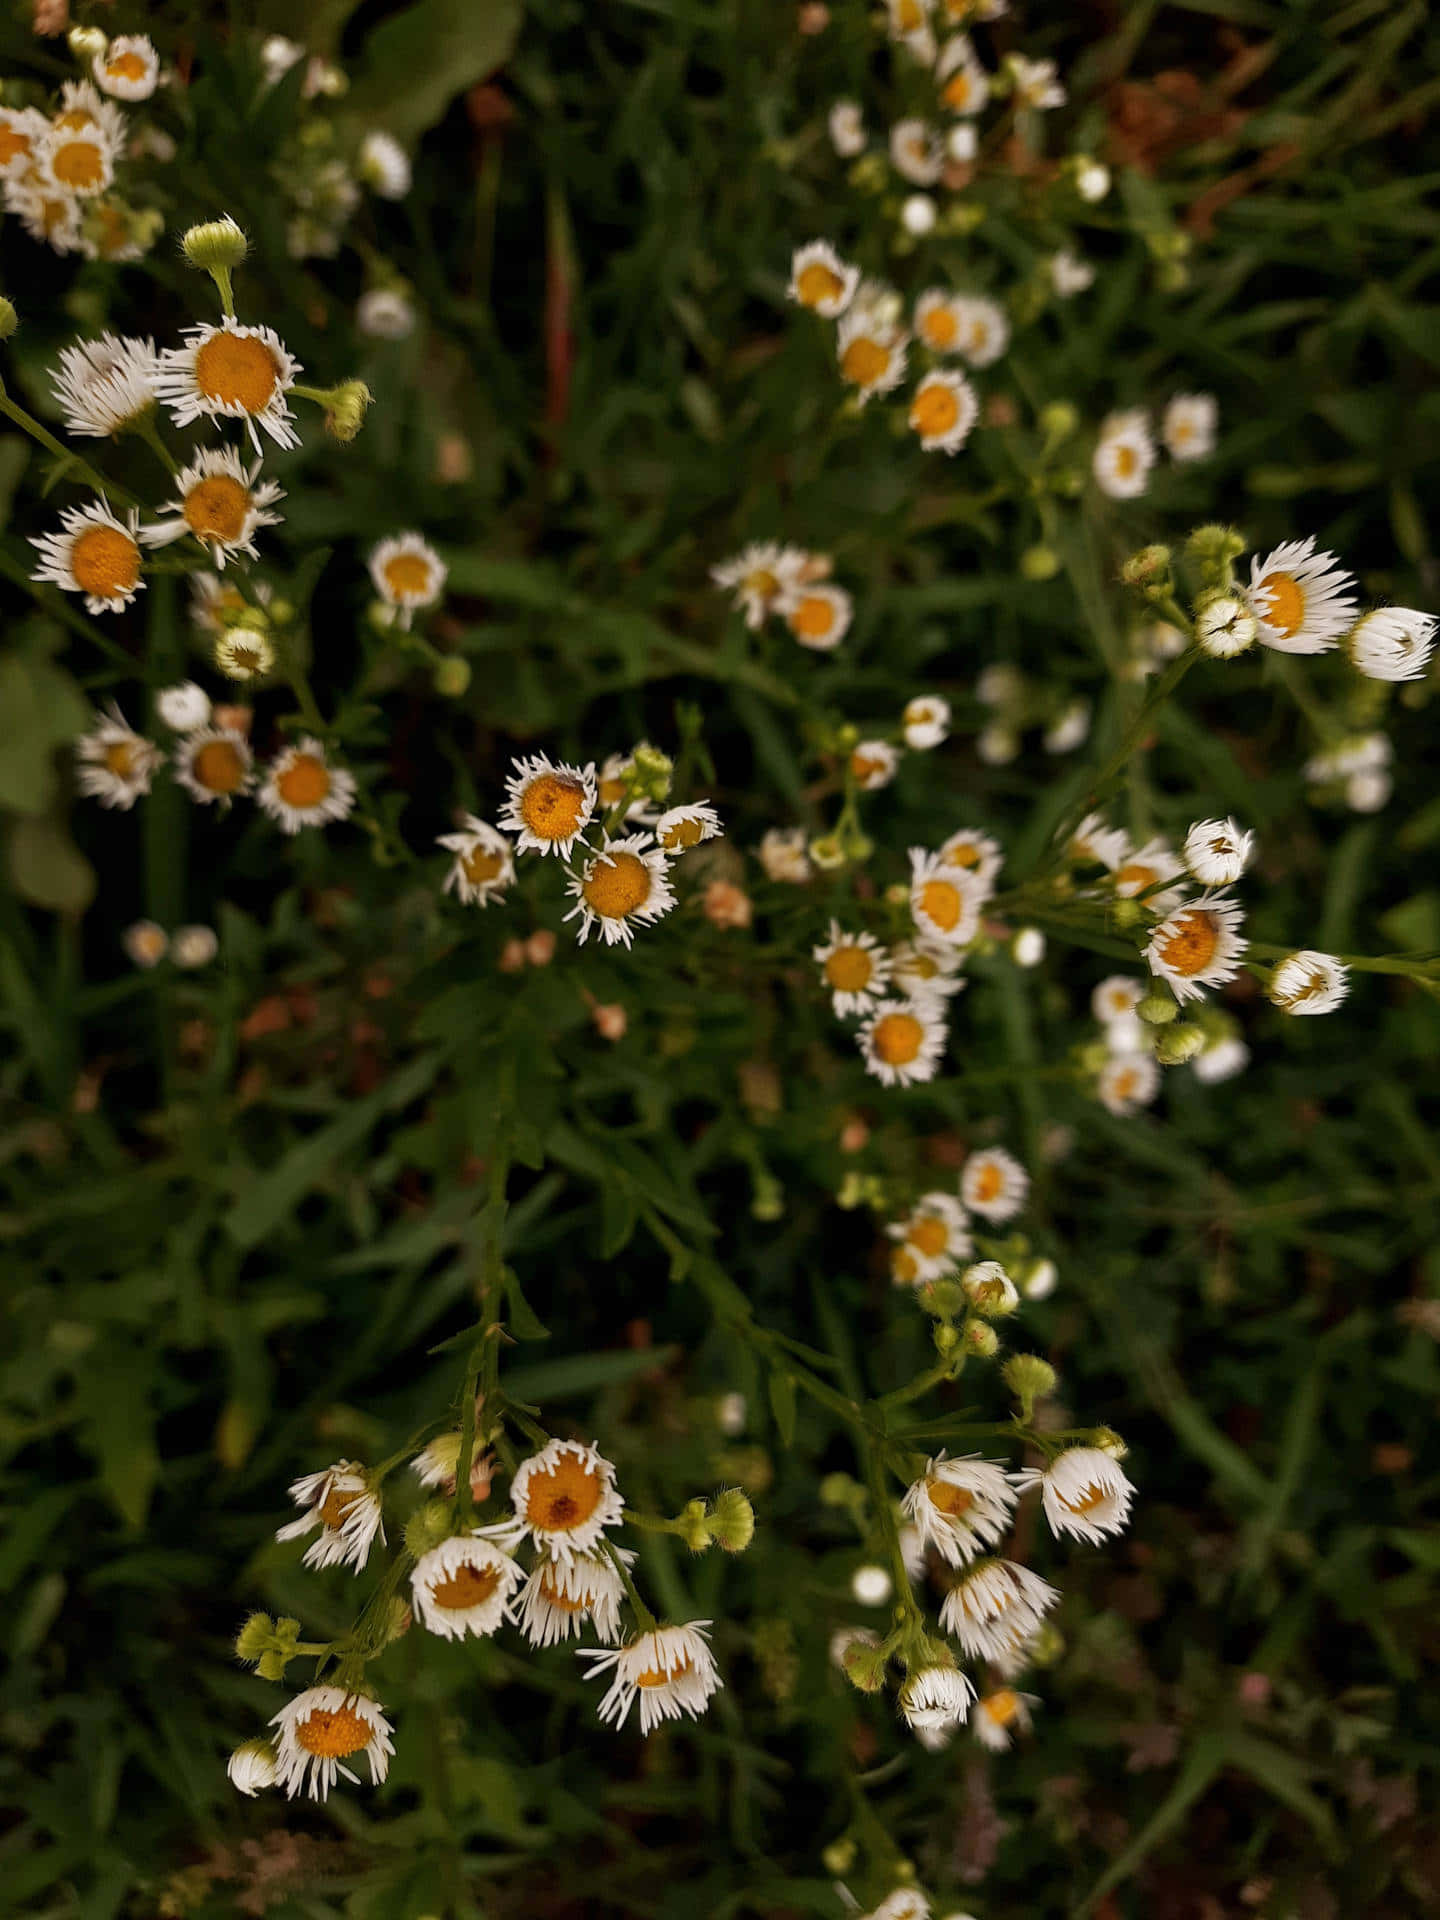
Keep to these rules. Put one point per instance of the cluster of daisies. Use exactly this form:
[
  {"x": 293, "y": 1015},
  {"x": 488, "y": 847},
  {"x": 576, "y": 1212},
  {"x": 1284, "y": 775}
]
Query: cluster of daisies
[
  {"x": 618, "y": 880},
  {"x": 938, "y": 1235},
  {"x": 766, "y": 578},
  {"x": 466, "y": 1582},
  {"x": 1126, "y": 450},
  {"x": 59, "y": 163}
]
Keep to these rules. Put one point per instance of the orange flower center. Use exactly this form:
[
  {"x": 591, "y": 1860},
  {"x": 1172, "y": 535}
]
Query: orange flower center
[
  {"x": 931, "y": 1236},
  {"x": 105, "y": 561},
  {"x": 237, "y": 370},
  {"x": 1126, "y": 461},
  {"x": 923, "y": 966},
  {"x": 910, "y": 16},
  {"x": 1137, "y": 878},
  {"x": 966, "y": 854},
  {"x": 658, "y": 1677},
  {"x": 336, "y": 1504},
  {"x": 958, "y": 90},
  {"x": 333, "y": 1735},
  {"x": 407, "y": 573},
  {"x": 12, "y": 142},
  {"x": 465, "y": 1587},
  {"x": 762, "y": 583},
  {"x": 939, "y": 327},
  {"x": 903, "y": 1265},
  {"x": 1124, "y": 1083},
  {"x": 864, "y": 362},
  {"x": 219, "y": 767},
  {"x": 988, "y": 1183},
  {"x": 481, "y": 865},
  {"x": 1190, "y": 945},
  {"x": 865, "y": 766},
  {"x": 216, "y": 508},
  {"x": 935, "y": 411},
  {"x": 818, "y": 283},
  {"x": 1285, "y": 602},
  {"x": 555, "y": 1595},
  {"x": 73, "y": 120},
  {"x": 564, "y": 1496},
  {"x": 813, "y": 617},
  {"x": 304, "y": 783},
  {"x": 1086, "y": 1501},
  {"x": 1001, "y": 1707},
  {"x": 849, "y": 970},
  {"x": 79, "y": 165},
  {"x": 940, "y": 903},
  {"x": 898, "y": 1038},
  {"x": 126, "y": 66},
  {"x": 120, "y": 758},
  {"x": 681, "y": 834},
  {"x": 553, "y": 806},
  {"x": 617, "y": 885},
  {"x": 949, "y": 1499}
]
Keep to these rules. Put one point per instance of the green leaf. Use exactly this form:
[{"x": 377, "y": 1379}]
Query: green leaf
[
  {"x": 417, "y": 61},
  {"x": 48, "y": 869},
  {"x": 525, "y": 1323},
  {"x": 782, "y": 1403}
]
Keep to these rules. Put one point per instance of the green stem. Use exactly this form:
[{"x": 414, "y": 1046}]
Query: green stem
[
  {"x": 150, "y": 434},
  {"x": 29, "y": 424},
  {"x": 643, "y": 1615}
]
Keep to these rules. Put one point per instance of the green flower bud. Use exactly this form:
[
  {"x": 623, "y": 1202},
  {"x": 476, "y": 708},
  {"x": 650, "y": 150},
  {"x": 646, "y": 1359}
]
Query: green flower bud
[
  {"x": 1147, "y": 568},
  {"x": 254, "y": 1638},
  {"x": 1039, "y": 563},
  {"x": 1107, "y": 1441},
  {"x": 943, "y": 1298},
  {"x": 398, "y": 1619},
  {"x": 345, "y": 410},
  {"x": 946, "y": 1338},
  {"x": 427, "y": 1527},
  {"x": 981, "y": 1339},
  {"x": 1030, "y": 1379},
  {"x": 215, "y": 246},
  {"x": 692, "y": 1526},
  {"x": 840, "y": 1490},
  {"x": 1127, "y": 913},
  {"x": 654, "y": 772},
  {"x": 731, "y": 1521},
  {"x": 1058, "y": 421},
  {"x": 1179, "y": 1043},
  {"x": 838, "y": 1858},
  {"x": 9, "y": 318},
  {"x": 452, "y": 676},
  {"x": 1158, "y": 1008}
]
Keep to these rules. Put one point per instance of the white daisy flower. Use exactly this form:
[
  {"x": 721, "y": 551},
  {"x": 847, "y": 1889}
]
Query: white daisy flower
[
  {"x": 994, "y": 1605},
  {"x": 670, "y": 1670},
  {"x": 855, "y": 970},
  {"x": 937, "y": 325},
  {"x": 1128, "y": 1081},
  {"x": 936, "y": 1697},
  {"x": 76, "y": 159},
  {"x": 961, "y": 142},
  {"x": 251, "y": 1768},
  {"x": 1393, "y": 643},
  {"x": 1221, "y": 1060},
  {"x": 1188, "y": 425},
  {"x": 931, "y": 1241},
  {"x": 994, "y": 1184},
  {"x": 1070, "y": 730},
  {"x": 871, "y": 352},
  {"x": 1362, "y": 753},
  {"x": 999, "y": 1716},
  {"x": 22, "y": 130},
  {"x": 1116, "y": 998},
  {"x": 194, "y": 947},
  {"x": 1217, "y": 852},
  {"x": 1084, "y": 1492},
  {"x": 907, "y": 1903},
  {"x": 94, "y": 553},
  {"x": 217, "y": 500},
  {"x": 943, "y": 411},
  {"x": 1093, "y": 842},
  {"x": 146, "y": 943},
  {"x": 989, "y": 1289},
  {"x": 623, "y": 886},
  {"x": 408, "y": 574},
  {"x": 847, "y": 128},
  {"x": 982, "y": 330},
  {"x": 104, "y": 386},
  {"x": 1036, "y": 86},
  {"x": 1225, "y": 627},
  {"x": 49, "y": 215},
  {"x": 1198, "y": 946},
  {"x": 463, "y": 1586},
  {"x": 322, "y": 1728},
  {"x": 234, "y": 373},
  {"x": 214, "y": 765},
  {"x": 971, "y": 851},
  {"x": 1069, "y": 274},
  {"x": 383, "y": 165},
  {"x": 484, "y": 865},
  {"x": 918, "y": 214},
  {"x": 345, "y": 1507},
  {"x": 945, "y": 898},
  {"x": 564, "y": 1497},
  {"x": 1092, "y": 181},
  {"x": 548, "y": 805},
  {"x": 909, "y": 20},
  {"x": 561, "y": 1595},
  {"x": 302, "y": 789},
  {"x": 916, "y": 152},
  {"x": 759, "y": 576},
  {"x": 384, "y": 313},
  {"x": 925, "y": 721},
  {"x": 782, "y": 853},
  {"x": 1150, "y": 873},
  {"x": 922, "y": 967},
  {"x": 821, "y": 280},
  {"x": 960, "y": 1506},
  {"x": 113, "y": 763},
  {"x": 964, "y": 83},
  {"x": 129, "y": 68},
  {"x": 1124, "y": 454},
  {"x": 873, "y": 764},
  {"x": 818, "y": 614},
  {"x": 183, "y": 707},
  {"x": 685, "y": 827},
  {"x": 1309, "y": 982},
  {"x": 902, "y": 1041},
  {"x": 1302, "y": 600}
]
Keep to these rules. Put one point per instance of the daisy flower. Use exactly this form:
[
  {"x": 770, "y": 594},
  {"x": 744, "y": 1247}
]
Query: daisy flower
[
  {"x": 251, "y": 1768},
  {"x": 564, "y": 1497},
  {"x": 906, "y": 1903},
  {"x": 385, "y": 313},
  {"x": 1217, "y": 852},
  {"x": 216, "y": 604},
  {"x": 194, "y": 947},
  {"x": 821, "y": 280},
  {"x": 623, "y": 886},
  {"x": 1128, "y": 1081},
  {"x": 1124, "y": 454},
  {"x": 1069, "y": 274},
  {"x": 964, "y": 83},
  {"x": 922, "y": 967},
  {"x": 301, "y": 788},
  {"x": 942, "y": 411},
  {"x": 1198, "y": 946},
  {"x": 936, "y": 1697},
  {"x": 945, "y": 899},
  {"x": 463, "y": 1586},
  {"x": 925, "y": 721},
  {"x": 345, "y": 1507},
  {"x": 855, "y": 969},
  {"x": 1187, "y": 426},
  {"x": 759, "y": 576},
  {"x": 549, "y": 806},
  {"x": 94, "y": 553},
  {"x": 1070, "y": 730},
  {"x": 1302, "y": 600},
  {"x": 995, "y": 1604},
  {"x": 1142, "y": 871},
  {"x": 408, "y": 575},
  {"x": 671, "y": 1671},
  {"x": 383, "y": 165},
  {"x": 932, "y": 1239},
  {"x": 902, "y": 1041},
  {"x": 1224, "y": 627},
  {"x": 242, "y": 654},
  {"x": 982, "y": 332},
  {"x": 782, "y": 853},
  {"x": 146, "y": 943},
  {"x": 685, "y": 827},
  {"x": 234, "y": 373},
  {"x": 1034, "y": 82},
  {"x": 1393, "y": 643},
  {"x": 871, "y": 352},
  {"x": 21, "y": 131},
  {"x": 994, "y": 1184},
  {"x": 561, "y": 1595},
  {"x": 916, "y": 152},
  {"x": 183, "y": 707},
  {"x": 217, "y": 500},
  {"x": 214, "y": 764},
  {"x": 989, "y": 1289},
  {"x": 1084, "y": 1492},
  {"x": 322, "y": 1728},
  {"x": 973, "y": 852},
  {"x": 113, "y": 763},
  {"x": 873, "y": 764},
  {"x": 484, "y": 865},
  {"x": 818, "y": 615},
  {"x": 1221, "y": 1060},
  {"x": 936, "y": 322},
  {"x": 847, "y": 128},
  {"x": 1309, "y": 982},
  {"x": 48, "y": 214},
  {"x": 104, "y": 386},
  {"x": 1000, "y": 1715},
  {"x": 960, "y": 1506},
  {"x": 129, "y": 68},
  {"x": 1116, "y": 998},
  {"x": 77, "y": 156},
  {"x": 907, "y": 18}
]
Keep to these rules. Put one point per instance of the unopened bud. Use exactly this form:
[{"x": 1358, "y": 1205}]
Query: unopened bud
[
  {"x": 1158, "y": 1008},
  {"x": 1030, "y": 1379},
  {"x": 345, "y": 410},
  {"x": 1039, "y": 563},
  {"x": 215, "y": 246},
  {"x": 1058, "y": 421},
  {"x": 86, "y": 43},
  {"x": 1178, "y": 1044},
  {"x": 731, "y": 1521},
  {"x": 1106, "y": 1440},
  {"x": 840, "y": 1490},
  {"x": 254, "y": 1637},
  {"x": 946, "y": 1338},
  {"x": 838, "y": 1857},
  {"x": 398, "y": 1619},
  {"x": 692, "y": 1526},
  {"x": 981, "y": 1339},
  {"x": 1146, "y": 568},
  {"x": 452, "y": 676},
  {"x": 427, "y": 1527},
  {"x": 863, "y": 1666},
  {"x": 9, "y": 318}
]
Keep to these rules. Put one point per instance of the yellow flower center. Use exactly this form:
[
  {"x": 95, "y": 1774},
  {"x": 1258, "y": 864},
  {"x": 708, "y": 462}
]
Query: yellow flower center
[
  {"x": 564, "y": 1496},
  {"x": 988, "y": 1184},
  {"x": 219, "y": 767},
  {"x": 935, "y": 411},
  {"x": 658, "y": 1677},
  {"x": 555, "y": 1595},
  {"x": 336, "y": 1504},
  {"x": 812, "y": 618},
  {"x": 617, "y": 885},
  {"x": 481, "y": 865},
  {"x": 762, "y": 583},
  {"x": 681, "y": 834},
  {"x": 909, "y": 16},
  {"x": 964, "y": 854},
  {"x": 1136, "y": 877},
  {"x": 216, "y": 507},
  {"x": 923, "y": 966},
  {"x": 407, "y": 573},
  {"x": 867, "y": 766},
  {"x": 1124, "y": 1083},
  {"x": 898, "y": 1038},
  {"x": 904, "y": 1267},
  {"x": 949, "y": 1499},
  {"x": 939, "y": 327},
  {"x": 73, "y": 120},
  {"x": 1086, "y": 1501},
  {"x": 612, "y": 791},
  {"x": 818, "y": 283},
  {"x": 1001, "y": 1707},
  {"x": 864, "y": 361},
  {"x": 940, "y": 903},
  {"x": 304, "y": 783},
  {"x": 120, "y": 758},
  {"x": 1190, "y": 945},
  {"x": 333, "y": 1735},
  {"x": 237, "y": 370},
  {"x": 931, "y": 1236},
  {"x": 79, "y": 165},
  {"x": 1285, "y": 604},
  {"x": 849, "y": 970},
  {"x": 958, "y": 90},
  {"x": 553, "y": 806},
  {"x": 126, "y": 66},
  {"x": 465, "y": 1587},
  {"x": 12, "y": 142},
  {"x": 105, "y": 561}
]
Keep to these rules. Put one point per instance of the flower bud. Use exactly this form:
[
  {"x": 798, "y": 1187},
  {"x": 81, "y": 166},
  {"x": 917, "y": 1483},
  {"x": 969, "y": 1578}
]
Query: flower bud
[
  {"x": 1058, "y": 421},
  {"x": 9, "y": 318},
  {"x": 254, "y": 1637},
  {"x": 345, "y": 410},
  {"x": 731, "y": 1520},
  {"x": 839, "y": 1490},
  {"x": 1107, "y": 1441},
  {"x": 452, "y": 676},
  {"x": 1147, "y": 568},
  {"x": 863, "y": 1666},
  {"x": 1224, "y": 626},
  {"x": 946, "y": 1338},
  {"x": 989, "y": 1289},
  {"x": 1127, "y": 913},
  {"x": 215, "y": 245},
  {"x": 86, "y": 43},
  {"x": 1178, "y": 1044},
  {"x": 428, "y": 1526},
  {"x": 1039, "y": 563},
  {"x": 654, "y": 771},
  {"x": 692, "y": 1527},
  {"x": 398, "y": 1620},
  {"x": 981, "y": 1339},
  {"x": 1030, "y": 1379},
  {"x": 1158, "y": 1008},
  {"x": 838, "y": 1858}
]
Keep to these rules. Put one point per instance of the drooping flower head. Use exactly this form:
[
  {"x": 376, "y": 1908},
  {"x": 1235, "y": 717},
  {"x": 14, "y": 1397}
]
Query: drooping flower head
[
  {"x": 322, "y": 1728},
  {"x": 960, "y": 1507},
  {"x": 463, "y": 1587},
  {"x": 670, "y": 1670},
  {"x": 560, "y": 1596},
  {"x": 346, "y": 1509},
  {"x": 484, "y": 865}
]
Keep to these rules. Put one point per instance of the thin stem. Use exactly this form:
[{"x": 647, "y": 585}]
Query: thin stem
[
  {"x": 150, "y": 434},
  {"x": 29, "y": 424},
  {"x": 643, "y": 1615}
]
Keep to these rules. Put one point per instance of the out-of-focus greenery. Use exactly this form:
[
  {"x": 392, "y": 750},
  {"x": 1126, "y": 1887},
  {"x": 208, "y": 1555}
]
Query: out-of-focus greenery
[{"x": 242, "y": 1209}]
